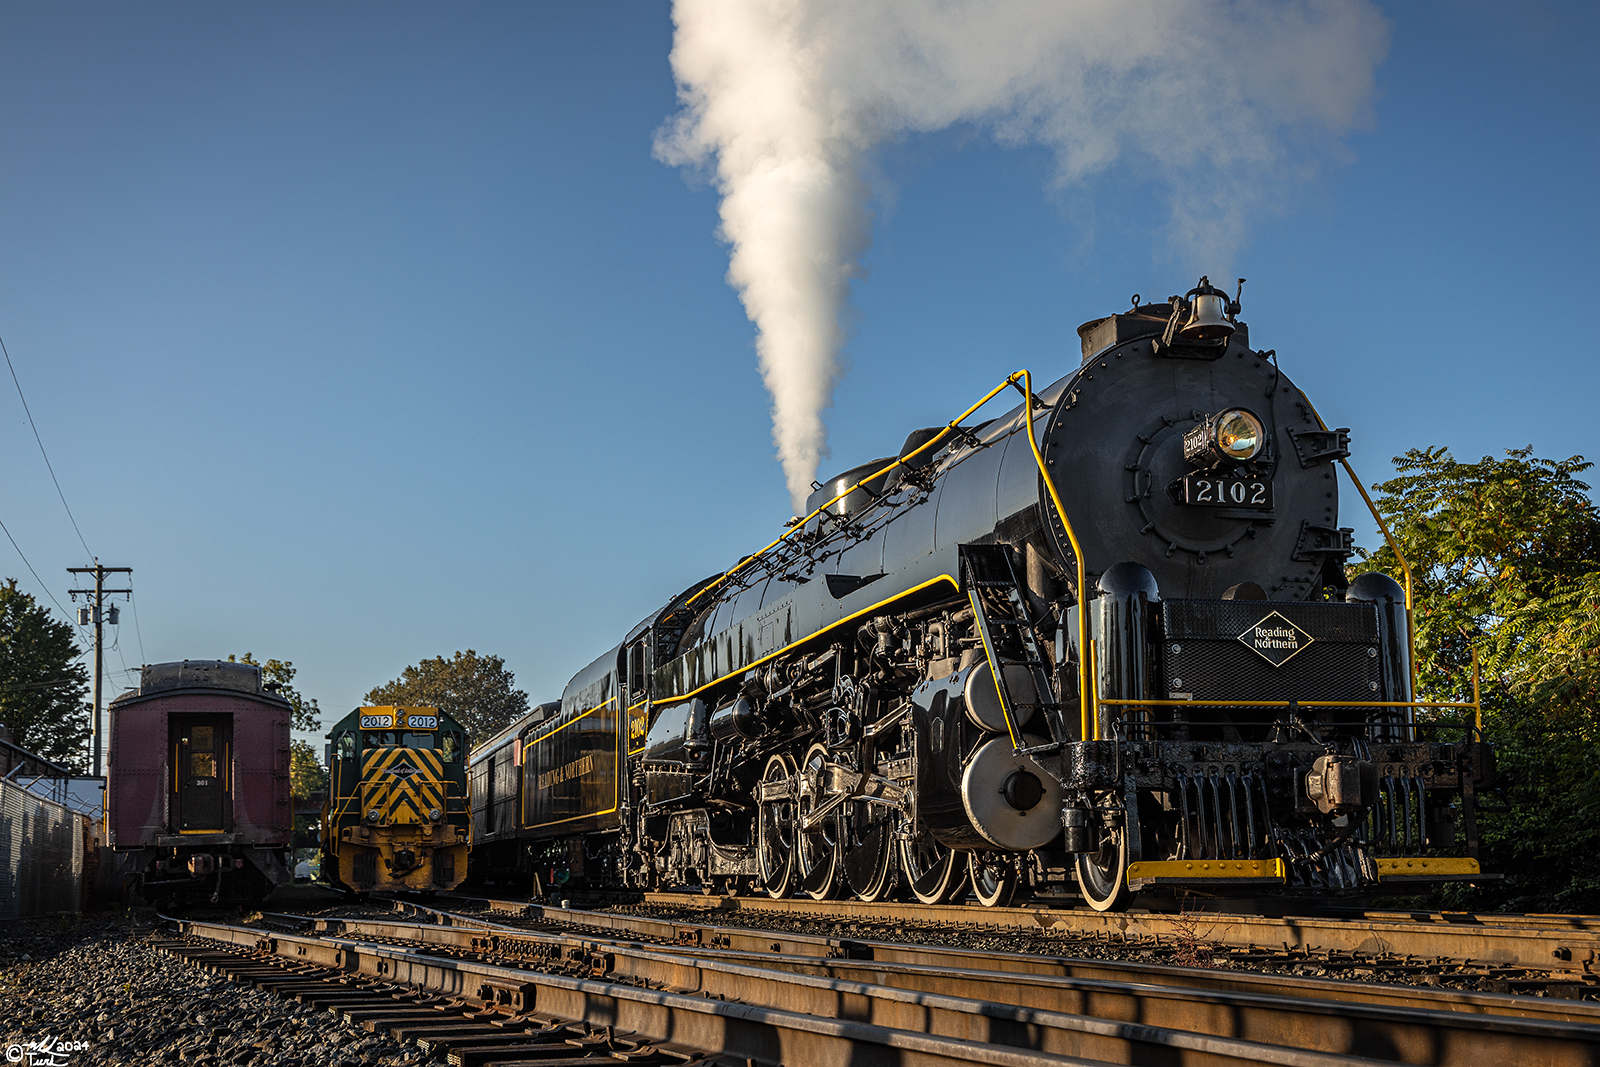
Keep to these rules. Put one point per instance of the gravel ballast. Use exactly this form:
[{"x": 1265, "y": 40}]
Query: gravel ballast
[{"x": 97, "y": 992}]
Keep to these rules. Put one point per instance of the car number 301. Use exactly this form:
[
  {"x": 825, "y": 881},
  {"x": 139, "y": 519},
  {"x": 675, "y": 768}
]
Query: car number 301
[{"x": 1227, "y": 492}]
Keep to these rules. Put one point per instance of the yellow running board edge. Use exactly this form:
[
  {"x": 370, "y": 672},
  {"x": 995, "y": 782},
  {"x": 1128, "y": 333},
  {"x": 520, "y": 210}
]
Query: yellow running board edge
[{"x": 1207, "y": 872}]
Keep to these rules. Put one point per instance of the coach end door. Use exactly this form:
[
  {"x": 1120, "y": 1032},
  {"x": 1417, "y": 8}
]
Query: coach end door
[{"x": 204, "y": 754}]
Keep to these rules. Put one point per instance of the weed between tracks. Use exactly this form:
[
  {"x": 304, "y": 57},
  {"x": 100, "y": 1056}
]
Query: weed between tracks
[{"x": 1188, "y": 950}]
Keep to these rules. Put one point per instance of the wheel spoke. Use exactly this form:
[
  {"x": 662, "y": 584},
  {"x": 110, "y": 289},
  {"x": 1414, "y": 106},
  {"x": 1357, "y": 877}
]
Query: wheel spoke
[
  {"x": 994, "y": 880},
  {"x": 1102, "y": 875},
  {"x": 820, "y": 848},
  {"x": 932, "y": 870},
  {"x": 775, "y": 830}
]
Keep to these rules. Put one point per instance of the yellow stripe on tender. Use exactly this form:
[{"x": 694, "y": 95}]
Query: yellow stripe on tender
[
  {"x": 1425, "y": 866},
  {"x": 1200, "y": 870}
]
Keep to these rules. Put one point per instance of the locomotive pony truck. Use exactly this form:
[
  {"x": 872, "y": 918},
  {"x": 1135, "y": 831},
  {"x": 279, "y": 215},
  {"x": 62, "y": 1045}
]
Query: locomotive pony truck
[{"x": 1102, "y": 642}]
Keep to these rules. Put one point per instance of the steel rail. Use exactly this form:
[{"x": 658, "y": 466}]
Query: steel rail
[
  {"x": 1577, "y": 925},
  {"x": 1062, "y": 983},
  {"x": 681, "y": 1015},
  {"x": 1117, "y": 1021},
  {"x": 737, "y": 938},
  {"x": 1542, "y": 947},
  {"x": 774, "y": 1017}
]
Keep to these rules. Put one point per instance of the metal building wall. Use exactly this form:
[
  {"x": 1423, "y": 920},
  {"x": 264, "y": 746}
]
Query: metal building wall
[{"x": 41, "y": 855}]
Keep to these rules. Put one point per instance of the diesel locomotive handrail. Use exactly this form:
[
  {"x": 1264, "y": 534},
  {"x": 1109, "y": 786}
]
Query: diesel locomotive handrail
[{"x": 1026, "y": 389}]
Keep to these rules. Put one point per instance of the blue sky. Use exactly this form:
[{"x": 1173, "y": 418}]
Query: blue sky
[{"x": 369, "y": 333}]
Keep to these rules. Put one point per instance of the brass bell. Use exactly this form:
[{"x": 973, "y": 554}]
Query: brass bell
[{"x": 1208, "y": 314}]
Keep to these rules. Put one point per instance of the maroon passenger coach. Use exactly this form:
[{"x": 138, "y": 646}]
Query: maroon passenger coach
[{"x": 198, "y": 799}]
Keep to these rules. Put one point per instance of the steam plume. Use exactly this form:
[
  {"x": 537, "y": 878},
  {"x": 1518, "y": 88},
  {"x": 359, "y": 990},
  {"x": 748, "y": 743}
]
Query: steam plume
[{"x": 1226, "y": 101}]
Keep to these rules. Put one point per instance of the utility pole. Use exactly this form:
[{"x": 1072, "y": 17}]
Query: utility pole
[{"x": 99, "y": 594}]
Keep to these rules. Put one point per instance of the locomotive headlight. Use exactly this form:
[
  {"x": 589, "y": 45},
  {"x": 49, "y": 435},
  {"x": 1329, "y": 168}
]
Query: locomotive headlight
[
  {"x": 1231, "y": 436},
  {"x": 1239, "y": 435},
  {"x": 435, "y": 815},
  {"x": 372, "y": 816}
]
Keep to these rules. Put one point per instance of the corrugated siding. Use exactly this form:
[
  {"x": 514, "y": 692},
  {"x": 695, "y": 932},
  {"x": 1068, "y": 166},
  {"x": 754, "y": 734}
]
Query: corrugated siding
[{"x": 41, "y": 855}]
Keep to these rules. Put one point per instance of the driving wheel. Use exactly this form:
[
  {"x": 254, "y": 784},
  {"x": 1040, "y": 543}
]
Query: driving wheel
[
  {"x": 936, "y": 873},
  {"x": 775, "y": 826},
  {"x": 819, "y": 850}
]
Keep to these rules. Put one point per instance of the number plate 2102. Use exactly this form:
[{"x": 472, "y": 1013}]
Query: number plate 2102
[{"x": 1209, "y": 490}]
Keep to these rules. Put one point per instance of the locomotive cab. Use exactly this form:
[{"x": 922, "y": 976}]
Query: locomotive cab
[{"x": 397, "y": 815}]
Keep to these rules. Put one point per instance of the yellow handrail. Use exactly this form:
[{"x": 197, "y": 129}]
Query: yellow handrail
[
  {"x": 1411, "y": 626},
  {"x": 1061, "y": 512},
  {"x": 1077, "y": 556},
  {"x": 1026, "y": 389},
  {"x": 1477, "y": 701},
  {"x": 1289, "y": 703},
  {"x": 799, "y": 524}
]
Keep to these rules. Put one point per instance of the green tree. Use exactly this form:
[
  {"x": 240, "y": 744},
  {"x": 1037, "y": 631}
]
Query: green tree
[
  {"x": 1505, "y": 556},
  {"x": 43, "y": 687},
  {"x": 477, "y": 691},
  {"x": 279, "y": 674},
  {"x": 307, "y": 775}
]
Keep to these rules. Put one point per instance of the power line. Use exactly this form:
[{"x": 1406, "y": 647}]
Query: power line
[
  {"x": 42, "y": 452},
  {"x": 35, "y": 573},
  {"x": 133, "y": 602}
]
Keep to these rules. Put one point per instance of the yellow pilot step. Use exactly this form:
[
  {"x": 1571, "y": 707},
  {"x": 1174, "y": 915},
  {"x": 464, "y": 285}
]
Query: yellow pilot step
[
  {"x": 1400, "y": 868},
  {"x": 1214, "y": 872}
]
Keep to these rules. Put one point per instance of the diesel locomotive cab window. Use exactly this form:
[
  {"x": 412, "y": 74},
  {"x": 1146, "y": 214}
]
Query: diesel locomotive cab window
[
  {"x": 378, "y": 738},
  {"x": 417, "y": 740},
  {"x": 450, "y": 746},
  {"x": 347, "y": 745}
]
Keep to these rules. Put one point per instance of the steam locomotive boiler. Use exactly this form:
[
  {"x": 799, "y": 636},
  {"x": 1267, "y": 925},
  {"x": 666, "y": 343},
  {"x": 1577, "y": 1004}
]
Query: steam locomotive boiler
[{"x": 1103, "y": 642}]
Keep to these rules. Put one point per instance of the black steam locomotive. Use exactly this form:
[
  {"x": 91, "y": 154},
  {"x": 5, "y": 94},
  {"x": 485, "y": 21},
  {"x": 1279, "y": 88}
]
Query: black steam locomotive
[{"x": 1105, "y": 639}]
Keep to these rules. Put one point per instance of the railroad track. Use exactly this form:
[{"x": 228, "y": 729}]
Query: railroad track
[
  {"x": 513, "y": 1014},
  {"x": 785, "y": 948},
  {"x": 1558, "y": 954},
  {"x": 1547, "y": 956},
  {"x": 1063, "y": 1010}
]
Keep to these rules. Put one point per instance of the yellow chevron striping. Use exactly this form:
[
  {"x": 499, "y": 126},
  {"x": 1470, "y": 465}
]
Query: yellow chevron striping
[{"x": 402, "y": 800}]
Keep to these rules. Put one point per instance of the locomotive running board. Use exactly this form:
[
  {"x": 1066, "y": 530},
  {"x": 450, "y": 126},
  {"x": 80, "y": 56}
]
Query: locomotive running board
[
  {"x": 1206, "y": 872},
  {"x": 1406, "y": 869},
  {"x": 1391, "y": 870}
]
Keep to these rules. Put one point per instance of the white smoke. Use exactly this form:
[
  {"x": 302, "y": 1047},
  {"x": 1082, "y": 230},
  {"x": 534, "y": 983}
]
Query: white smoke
[{"x": 1227, "y": 102}]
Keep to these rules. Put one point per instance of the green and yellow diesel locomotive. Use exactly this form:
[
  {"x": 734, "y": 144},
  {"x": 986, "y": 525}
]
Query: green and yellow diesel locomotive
[{"x": 397, "y": 814}]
